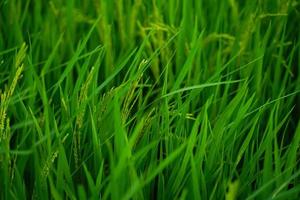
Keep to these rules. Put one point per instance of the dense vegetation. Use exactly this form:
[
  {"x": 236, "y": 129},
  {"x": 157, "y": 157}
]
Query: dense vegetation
[{"x": 149, "y": 99}]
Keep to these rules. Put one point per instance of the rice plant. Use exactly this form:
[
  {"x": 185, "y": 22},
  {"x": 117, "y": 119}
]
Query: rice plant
[{"x": 150, "y": 99}]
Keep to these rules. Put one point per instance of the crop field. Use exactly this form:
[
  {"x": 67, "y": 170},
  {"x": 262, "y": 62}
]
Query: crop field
[{"x": 150, "y": 99}]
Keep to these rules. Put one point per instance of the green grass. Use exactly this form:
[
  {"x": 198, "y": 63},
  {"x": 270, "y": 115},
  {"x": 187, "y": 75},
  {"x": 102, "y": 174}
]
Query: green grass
[{"x": 150, "y": 99}]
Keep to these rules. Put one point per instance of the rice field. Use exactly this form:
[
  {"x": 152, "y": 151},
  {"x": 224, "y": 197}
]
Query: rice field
[{"x": 150, "y": 99}]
